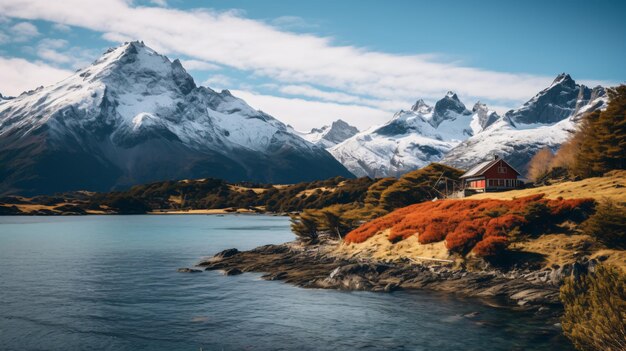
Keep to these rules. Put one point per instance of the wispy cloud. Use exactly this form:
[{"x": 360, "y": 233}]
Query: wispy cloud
[
  {"x": 218, "y": 82},
  {"x": 24, "y": 31},
  {"x": 231, "y": 40},
  {"x": 305, "y": 114},
  {"x": 162, "y": 3},
  {"x": 303, "y": 64},
  {"x": 58, "y": 51},
  {"x": 292, "y": 23},
  {"x": 61, "y": 27},
  {"x": 199, "y": 65},
  {"x": 19, "y": 75}
]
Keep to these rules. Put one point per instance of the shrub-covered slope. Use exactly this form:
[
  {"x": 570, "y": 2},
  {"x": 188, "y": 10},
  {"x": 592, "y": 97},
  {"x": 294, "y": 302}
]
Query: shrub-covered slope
[{"x": 482, "y": 226}]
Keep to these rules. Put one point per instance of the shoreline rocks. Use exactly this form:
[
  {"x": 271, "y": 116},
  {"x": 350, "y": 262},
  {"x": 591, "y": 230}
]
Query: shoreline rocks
[{"x": 313, "y": 267}]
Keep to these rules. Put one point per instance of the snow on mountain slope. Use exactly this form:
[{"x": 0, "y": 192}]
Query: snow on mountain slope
[
  {"x": 546, "y": 120},
  {"x": 412, "y": 139},
  {"x": 329, "y": 136},
  {"x": 135, "y": 116}
]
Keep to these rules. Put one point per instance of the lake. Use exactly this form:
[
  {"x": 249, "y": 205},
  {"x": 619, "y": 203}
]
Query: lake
[{"x": 110, "y": 283}]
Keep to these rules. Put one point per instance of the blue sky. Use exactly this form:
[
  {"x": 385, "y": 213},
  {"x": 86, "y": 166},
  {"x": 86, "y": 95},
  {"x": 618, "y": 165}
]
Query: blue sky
[{"x": 309, "y": 63}]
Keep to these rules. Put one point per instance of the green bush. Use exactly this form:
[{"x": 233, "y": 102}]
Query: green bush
[
  {"x": 595, "y": 310},
  {"x": 608, "y": 224}
]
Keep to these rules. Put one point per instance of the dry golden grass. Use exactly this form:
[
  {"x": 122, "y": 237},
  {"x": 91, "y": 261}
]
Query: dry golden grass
[
  {"x": 379, "y": 247},
  {"x": 175, "y": 199},
  {"x": 612, "y": 186},
  {"x": 562, "y": 248},
  {"x": 243, "y": 189},
  {"x": 308, "y": 192},
  {"x": 28, "y": 208}
]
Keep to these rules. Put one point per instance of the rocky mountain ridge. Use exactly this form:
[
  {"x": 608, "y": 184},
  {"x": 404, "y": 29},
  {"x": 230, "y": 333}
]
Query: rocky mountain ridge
[{"x": 450, "y": 133}]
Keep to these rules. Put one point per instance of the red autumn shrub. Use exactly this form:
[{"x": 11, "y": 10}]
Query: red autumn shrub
[
  {"x": 465, "y": 236},
  {"x": 435, "y": 232},
  {"x": 564, "y": 207},
  {"x": 501, "y": 226},
  {"x": 491, "y": 246},
  {"x": 463, "y": 224}
]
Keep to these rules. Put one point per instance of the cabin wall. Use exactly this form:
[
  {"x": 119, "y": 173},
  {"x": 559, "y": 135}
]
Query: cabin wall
[{"x": 500, "y": 170}]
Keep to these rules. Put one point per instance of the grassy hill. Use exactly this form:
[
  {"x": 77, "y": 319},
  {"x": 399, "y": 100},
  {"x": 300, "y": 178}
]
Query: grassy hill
[
  {"x": 521, "y": 227},
  {"x": 611, "y": 186}
]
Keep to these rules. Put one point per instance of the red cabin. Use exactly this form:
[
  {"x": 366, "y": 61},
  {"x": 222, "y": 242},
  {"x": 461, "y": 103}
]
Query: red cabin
[{"x": 494, "y": 175}]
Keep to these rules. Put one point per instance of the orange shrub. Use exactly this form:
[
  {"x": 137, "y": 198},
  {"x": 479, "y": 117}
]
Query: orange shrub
[
  {"x": 465, "y": 236},
  {"x": 463, "y": 224},
  {"x": 491, "y": 246},
  {"x": 435, "y": 232}
]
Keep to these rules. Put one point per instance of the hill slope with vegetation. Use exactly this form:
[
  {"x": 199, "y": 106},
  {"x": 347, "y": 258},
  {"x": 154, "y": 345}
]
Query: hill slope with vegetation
[
  {"x": 217, "y": 196},
  {"x": 198, "y": 194}
]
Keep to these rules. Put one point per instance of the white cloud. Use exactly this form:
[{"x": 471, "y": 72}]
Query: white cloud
[
  {"x": 58, "y": 52},
  {"x": 218, "y": 82},
  {"x": 4, "y": 38},
  {"x": 61, "y": 27},
  {"x": 18, "y": 75},
  {"x": 335, "y": 96},
  {"x": 24, "y": 31},
  {"x": 230, "y": 40},
  {"x": 292, "y": 22},
  {"x": 162, "y": 3},
  {"x": 199, "y": 65},
  {"x": 306, "y": 114}
]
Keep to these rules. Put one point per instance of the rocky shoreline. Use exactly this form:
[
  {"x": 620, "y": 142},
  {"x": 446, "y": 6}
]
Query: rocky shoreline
[{"x": 314, "y": 267}]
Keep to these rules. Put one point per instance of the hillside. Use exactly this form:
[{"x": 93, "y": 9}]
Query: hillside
[
  {"x": 195, "y": 196},
  {"x": 611, "y": 186},
  {"x": 521, "y": 227},
  {"x": 210, "y": 196}
]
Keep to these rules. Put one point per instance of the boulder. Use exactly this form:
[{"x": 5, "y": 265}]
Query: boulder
[
  {"x": 232, "y": 271},
  {"x": 226, "y": 253}
]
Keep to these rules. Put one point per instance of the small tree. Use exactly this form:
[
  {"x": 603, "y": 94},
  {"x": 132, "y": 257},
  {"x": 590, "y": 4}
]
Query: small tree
[
  {"x": 305, "y": 227},
  {"x": 334, "y": 223},
  {"x": 603, "y": 137},
  {"x": 594, "y": 318},
  {"x": 566, "y": 155},
  {"x": 540, "y": 164}
]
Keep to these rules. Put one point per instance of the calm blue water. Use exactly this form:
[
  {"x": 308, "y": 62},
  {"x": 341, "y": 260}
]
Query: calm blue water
[{"x": 110, "y": 283}]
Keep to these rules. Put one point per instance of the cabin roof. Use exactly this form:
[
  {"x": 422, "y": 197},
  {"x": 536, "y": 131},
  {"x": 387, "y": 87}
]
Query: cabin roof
[{"x": 483, "y": 167}]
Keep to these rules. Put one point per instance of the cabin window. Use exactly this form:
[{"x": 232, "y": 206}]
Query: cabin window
[{"x": 501, "y": 169}]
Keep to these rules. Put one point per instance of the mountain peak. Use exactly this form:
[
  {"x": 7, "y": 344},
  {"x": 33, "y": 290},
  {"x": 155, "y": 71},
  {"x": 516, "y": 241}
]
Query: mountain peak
[
  {"x": 421, "y": 107},
  {"x": 329, "y": 136},
  {"x": 134, "y": 116},
  {"x": 133, "y": 65},
  {"x": 452, "y": 95},
  {"x": 563, "y": 79},
  {"x": 555, "y": 103},
  {"x": 479, "y": 106},
  {"x": 448, "y": 108}
]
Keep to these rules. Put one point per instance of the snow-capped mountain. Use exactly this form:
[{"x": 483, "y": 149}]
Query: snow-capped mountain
[
  {"x": 412, "y": 139},
  {"x": 134, "y": 116},
  {"x": 546, "y": 120},
  {"x": 329, "y": 136}
]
